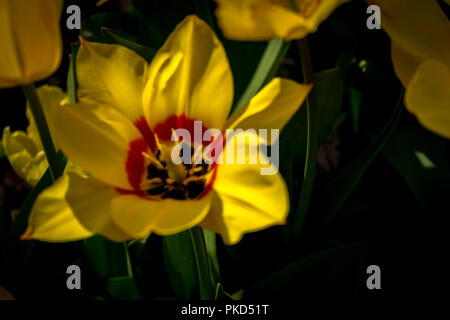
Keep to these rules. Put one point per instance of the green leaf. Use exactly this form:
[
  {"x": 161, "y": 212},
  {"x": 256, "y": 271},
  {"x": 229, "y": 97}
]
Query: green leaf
[
  {"x": 326, "y": 104},
  {"x": 422, "y": 158},
  {"x": 123, "y": 288},
  {"x": 334, "y": 194},
  {"x": 333, "y": 273},
  {"x": 187, "y": 263},
  {"x": 210, "y": 242},
  {"x": 108, "y": 259},
  {"x": 2, "y": 150},
  {"x": 272, "y": 53},
  {"x": 355, "y": 103},
  {"x": 129, "y": 41},
  {"x": 119, "y": 28},
  {"x": 56, "y": 167}
]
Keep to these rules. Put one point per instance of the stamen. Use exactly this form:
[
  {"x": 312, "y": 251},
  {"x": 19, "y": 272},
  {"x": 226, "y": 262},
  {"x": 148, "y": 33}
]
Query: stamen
[{"x": 153, "y": 160}]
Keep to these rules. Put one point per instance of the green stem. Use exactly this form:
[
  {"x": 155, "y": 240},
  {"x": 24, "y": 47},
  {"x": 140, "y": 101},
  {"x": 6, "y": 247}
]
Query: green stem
[
  {"x": 311, "y": 147},
  {"x": 44, "y": 133},
  {"x": 202, "y": 263},
  {"x": 271, "y": 56}
]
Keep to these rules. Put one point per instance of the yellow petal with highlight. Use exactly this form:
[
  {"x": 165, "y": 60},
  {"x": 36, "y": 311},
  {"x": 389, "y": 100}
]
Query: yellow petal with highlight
[
  {"x": 112, "y": 75},
  {"x": 190, "y": 75},
  {"x": 428, "y": 96},
  {"x": 31, "y": 40},
  {"x": 90, "y": 201},
  {"x": 96, "y": 138},
  {"x": 51, "y": 219},
  {"x": 244, "y": 200},
  {"x": 272, "y": 107}
]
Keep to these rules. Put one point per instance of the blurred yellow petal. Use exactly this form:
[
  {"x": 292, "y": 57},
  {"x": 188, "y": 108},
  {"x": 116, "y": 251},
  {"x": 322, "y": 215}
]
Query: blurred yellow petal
[
  {"x": 24, "y": 156},
  {"x": 428, "y": 96},
  {"x": 255, "y": 20},
  {"x": 50, "y": 97},
  {"x": 244, "y": 200},
  {"x": 258, "y": 20},
  {"x": 272, "y": 107},
  {"x": 91, "y": 203},
  {"x": 31, "y": 40},
  {"x": 419, "y": 29},
  {"x": 51, "y": 219},
  {"x": 190, "y": 75},
  {"x": 112, "y": 75},
  {"x": 96, "y": 138},
  {"x": 317, "y": 11}
]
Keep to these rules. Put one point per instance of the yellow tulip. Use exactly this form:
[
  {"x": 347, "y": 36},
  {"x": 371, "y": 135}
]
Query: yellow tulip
[
  {"x": 24, "y": 149},
  {"x": 120, "y": 134},
  {"x": 420, "y": 34},
  {"x": 31, "y": 41},
  {"x": 266, "y": 19}
]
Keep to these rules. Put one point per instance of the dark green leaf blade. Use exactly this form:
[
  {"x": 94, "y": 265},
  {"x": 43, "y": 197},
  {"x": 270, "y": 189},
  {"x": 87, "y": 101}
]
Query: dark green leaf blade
[
  {"x": 328, "y": 273},
  {"x": 326, "y": 104},
  {"x": 422, "y": 158},
  {"x": 187, "y": 263},
  {"x": 334, "y": 194}
]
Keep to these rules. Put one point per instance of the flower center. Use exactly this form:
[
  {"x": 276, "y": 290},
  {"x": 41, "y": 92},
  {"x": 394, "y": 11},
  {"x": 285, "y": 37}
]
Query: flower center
[
  {"x": 166, "y": 179},
  {"x": 150, "y": 169}
]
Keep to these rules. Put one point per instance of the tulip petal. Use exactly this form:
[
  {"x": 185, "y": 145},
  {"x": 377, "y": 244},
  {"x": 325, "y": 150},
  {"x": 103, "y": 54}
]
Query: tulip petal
[
  {"x": 323, "y": 9},
  {"x": 96, "y": 138},
  {"x": 51, "y": 219},
  {"x": 428, "y": 96},
  {"x": 245, "y": 201},
  {"x": 263, "y": 19},
  {"x": 419, "y": 28},
  {"x": 180, "y": 215},
  {"x": 135, "y": 215},
  {"x": 190, "y": 76},
  {"x": 272, "y": 107},
  {"x": 112, "y": 75},
  {"x": 31, "y": 47},
  {"x": 258, "y": 20},
  {"x": 90, "y": 201}
]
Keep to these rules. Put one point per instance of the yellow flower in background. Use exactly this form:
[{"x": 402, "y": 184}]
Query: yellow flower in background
[
  {"x": 256, "y": 20},
  {"x": 31, "y": 41},
  {"x": 24, "y": 149},
  {"x": 420, "y": 34},
  {"x": 120, "y": 134}
]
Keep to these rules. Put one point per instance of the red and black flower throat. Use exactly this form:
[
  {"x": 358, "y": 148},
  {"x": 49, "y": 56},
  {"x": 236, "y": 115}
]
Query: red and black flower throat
[{"x": 151, "y": 172}]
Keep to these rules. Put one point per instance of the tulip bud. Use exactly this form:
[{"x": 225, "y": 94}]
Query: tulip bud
[{"x": 31, "y": 40}]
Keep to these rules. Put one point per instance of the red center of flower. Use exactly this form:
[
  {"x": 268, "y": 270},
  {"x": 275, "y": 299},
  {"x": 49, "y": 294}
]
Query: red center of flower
[{"x": 150, "y": 169}]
